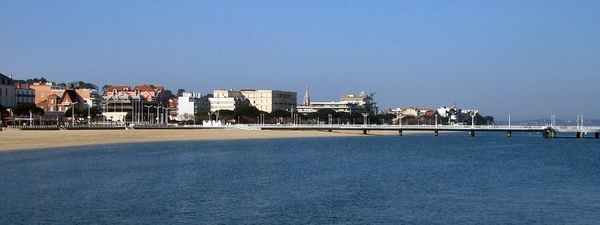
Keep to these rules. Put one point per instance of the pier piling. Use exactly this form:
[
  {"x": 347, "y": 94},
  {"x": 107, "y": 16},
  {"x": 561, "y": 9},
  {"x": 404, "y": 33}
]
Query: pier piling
[
  {"x": 509, "y": 134},
  {"x": 399, "y": 132},
  {"x": 435, "y": 132}
]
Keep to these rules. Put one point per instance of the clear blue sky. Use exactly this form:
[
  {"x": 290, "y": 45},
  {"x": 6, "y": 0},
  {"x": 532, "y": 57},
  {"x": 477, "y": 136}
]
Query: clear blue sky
[{"x": 530, "y": 59}]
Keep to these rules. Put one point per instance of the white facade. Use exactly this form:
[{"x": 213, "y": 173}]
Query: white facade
[
  {"x": 187, "y": 106},
  {"x": 264, "y": 99},
  {"x": 348, "y": 103},
  {"x": 226, "y": 100},
  {"x": 268, "y": 100},
  {"x": 340, "y": 106},
  {"x": 223, "y": 103}
]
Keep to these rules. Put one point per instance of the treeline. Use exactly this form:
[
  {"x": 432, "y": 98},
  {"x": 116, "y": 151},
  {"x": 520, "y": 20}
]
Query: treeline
[{"x": 250, "y": 114}]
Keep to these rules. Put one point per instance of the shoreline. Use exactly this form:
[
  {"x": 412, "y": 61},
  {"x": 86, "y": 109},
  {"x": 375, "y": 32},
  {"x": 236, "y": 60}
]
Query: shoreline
[{"x": 15, "y": 140}]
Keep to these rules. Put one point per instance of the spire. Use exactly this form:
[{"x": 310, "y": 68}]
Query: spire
[{"x": 306, "y": 97}]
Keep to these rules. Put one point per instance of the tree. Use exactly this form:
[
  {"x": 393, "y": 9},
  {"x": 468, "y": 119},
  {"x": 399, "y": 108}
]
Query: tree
[
  {"x": 200, "y": 116},
  {"x": 323, "y": 115},
  {"x": 81, "y": 84},
  {"x": 280, "y": 113},
  {"x": 77, "y": 113},
  {"x": 489, "y": 120},
  {"x": 105, "y": 88},
  {"x": 225, "y": 114},
  {"x": 385, "y": 118},
  {"x": 165, "y": 96},
  {"x": 23, "y": 109},
  {"x": 247, "y": 111},
  {"x": 180, "y": 92},
  {"x": 31, "y": 81},
  {"x": 93, "y": 113},
  {"x": 3, "y": 112}
]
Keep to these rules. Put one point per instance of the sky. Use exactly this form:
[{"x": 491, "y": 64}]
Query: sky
[{"x": 528, "y": 59}]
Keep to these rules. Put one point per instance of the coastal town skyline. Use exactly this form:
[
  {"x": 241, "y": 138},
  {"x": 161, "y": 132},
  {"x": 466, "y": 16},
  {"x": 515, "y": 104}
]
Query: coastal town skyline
[{"x": 530, "y": 60}]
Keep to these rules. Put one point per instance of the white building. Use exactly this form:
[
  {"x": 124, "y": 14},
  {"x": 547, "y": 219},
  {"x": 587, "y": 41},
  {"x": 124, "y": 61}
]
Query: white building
[
  {"x": 338, "y": 106},
  {"x": 264, "y": 99},
  {"x": 268, "y": 100},
  {"x": 226, "y": 100},
  {"x": 363, "y": 101},
  {"x": 187, "y": 105},
  {"x": 349, "y": 103}
]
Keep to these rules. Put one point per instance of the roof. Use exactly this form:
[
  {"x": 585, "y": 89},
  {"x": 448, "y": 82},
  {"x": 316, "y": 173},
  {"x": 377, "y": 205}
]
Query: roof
[
  {"x": 118, "y": 88},
  {"x": 71, "y": 95},
  {"x": 353, "y": 96},
  {"x": 149, "y": 88}
]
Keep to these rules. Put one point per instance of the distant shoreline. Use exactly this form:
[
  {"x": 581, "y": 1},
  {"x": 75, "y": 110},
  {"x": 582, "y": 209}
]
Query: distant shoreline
[{"x": 15, "y": 139}]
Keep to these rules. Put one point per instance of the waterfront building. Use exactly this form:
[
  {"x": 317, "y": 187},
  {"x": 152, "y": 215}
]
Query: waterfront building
[
  {"x": 142, "y": 103},
  {"x": 349, "y": 103},
  {"x": 363, "y": 101},
  {"x": 226, "y": 100},
  {"x": 265, "y": 100},
  {"x": 410, "y": 111},
  {"x": 23, "y": 94},
  {"x": 268, "y": 100},
  {"x": 7, "y": 91},
  {"x": 338, "y": 106},
  {"x": 43, "y": 90},
  {"x": 187, "y": 105}
]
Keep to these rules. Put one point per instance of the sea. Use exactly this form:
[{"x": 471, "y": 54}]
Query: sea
[{"x": 370, "y": 179}]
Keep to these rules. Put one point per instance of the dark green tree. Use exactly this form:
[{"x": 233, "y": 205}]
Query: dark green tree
[
  {"x": 247, "y": 111},
  {"x": 280, "y": 113},
  {"x": 489, "y": 120},
  {"x": 78, "y": 113},
  {"x": 81, "y": 84},
  {"x": 3, "y": 112},
  {"x": 23, "y": 109},
  {"x": 93, "y": 113},
  {"x": 322, "y": 115},
  {"x": 385, "y": 118},
  {"x": 203, "y": 115},
  {"x": 105, "y": 88},
  {"x": 180, "y": 92},
  {"x": 226, "y": 115}
]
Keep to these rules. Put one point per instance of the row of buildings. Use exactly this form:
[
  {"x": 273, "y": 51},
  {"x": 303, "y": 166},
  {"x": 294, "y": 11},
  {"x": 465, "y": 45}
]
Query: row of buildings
[{"x": 149, "y": 104}]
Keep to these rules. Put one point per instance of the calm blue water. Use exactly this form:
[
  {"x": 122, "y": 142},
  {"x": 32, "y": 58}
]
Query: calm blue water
[{"x": 414, "y": 179}]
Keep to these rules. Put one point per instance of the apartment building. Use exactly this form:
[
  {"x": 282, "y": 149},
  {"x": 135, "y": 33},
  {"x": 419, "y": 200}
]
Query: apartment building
[
  {"x": 188, "y": 104},
  {"x": 23, "y": 94},
  {"x": 7, "y": 91},
  {"x": 227, "y": 100},
  {"x": 348, "y": 103},
  {"x": 263, "y": 99},
  {"x": 268, "y": 100}
]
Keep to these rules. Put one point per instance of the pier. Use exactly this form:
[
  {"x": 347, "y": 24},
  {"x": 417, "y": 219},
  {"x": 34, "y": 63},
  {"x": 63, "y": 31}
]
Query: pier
[{"x": 546, "y": 131}]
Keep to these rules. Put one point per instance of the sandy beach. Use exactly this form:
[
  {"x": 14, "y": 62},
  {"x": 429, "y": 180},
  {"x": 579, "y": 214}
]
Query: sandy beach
[{"x": 15, "y": 139}]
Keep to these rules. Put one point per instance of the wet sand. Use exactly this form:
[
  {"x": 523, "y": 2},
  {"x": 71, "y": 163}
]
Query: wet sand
[{"x": 14, "y": 139}]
